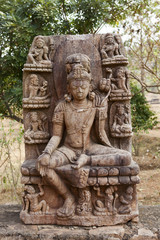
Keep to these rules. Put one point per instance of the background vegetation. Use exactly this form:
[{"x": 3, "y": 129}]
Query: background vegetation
[{"x": 22, "y": 20}]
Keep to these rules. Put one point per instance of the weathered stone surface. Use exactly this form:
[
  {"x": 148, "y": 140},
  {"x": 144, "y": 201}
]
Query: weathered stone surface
[
  {"x": 77, "y": 120},
  {"x": 145, "y": 234},
  {"x": 12, "y": 228}
]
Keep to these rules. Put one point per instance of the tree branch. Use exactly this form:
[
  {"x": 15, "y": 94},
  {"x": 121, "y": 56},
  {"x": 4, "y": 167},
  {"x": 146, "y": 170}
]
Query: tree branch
[
  {"x": 11, "y": 114},
  {"x": 145, "y": 86}
]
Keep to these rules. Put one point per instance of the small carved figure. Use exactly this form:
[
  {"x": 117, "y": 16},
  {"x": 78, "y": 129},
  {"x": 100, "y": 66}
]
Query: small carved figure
[
  {"x": 39, "y": 53},
  {"x": 110, "y": 48},
  {"x": 121, "y": 123},
  {"x": 37, "y": 91},
  {"x": 43, "y": 89},
  {"x": 36, "y": 128},
  {"x": 33, "y": 86},
  {"x": 84, "y": 206},
  {"x": 77, "y": 115},
  {"x": 31, "y": 201},
  {"x": 125, "y": 200},
  {"x": 110, "y": 197},
  {"x": 121, "y": 80}
]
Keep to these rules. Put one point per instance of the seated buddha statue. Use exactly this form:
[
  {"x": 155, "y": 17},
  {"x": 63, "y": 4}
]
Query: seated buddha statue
[{"x": 76, "y": 115}]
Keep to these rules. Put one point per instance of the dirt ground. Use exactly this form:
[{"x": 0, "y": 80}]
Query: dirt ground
[{"x": 148, "y": 158}]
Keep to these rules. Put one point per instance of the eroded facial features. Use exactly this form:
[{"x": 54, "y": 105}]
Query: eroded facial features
[
  {"x": 39, "y": 43},
  {"x": 120, "y": 73},
  {"x": 79, "y": 89},
  {"x": 34, "y": 117},
  {"x": 34, "y": 80},
  {"x": 120, "y": 110},
  {"x": 109, "y": 40}
]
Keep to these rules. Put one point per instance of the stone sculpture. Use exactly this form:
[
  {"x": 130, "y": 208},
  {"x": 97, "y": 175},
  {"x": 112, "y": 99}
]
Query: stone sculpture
[
  {"x": 38, "y": 56},
  {"x": 112, "y": 51},
  {"x": 37, "y": 131},
  {"x": 39, "y": 53},
  {"x": 86, "y": 168},
  {"x": 36, "y": 92},
  {"x": 31, "y": 201}
]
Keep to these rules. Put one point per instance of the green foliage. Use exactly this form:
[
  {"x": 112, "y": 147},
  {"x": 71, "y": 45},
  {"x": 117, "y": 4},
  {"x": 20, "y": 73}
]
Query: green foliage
[
  {"x": 22, "y": 20},
  {"x": 142, "y": 117}
]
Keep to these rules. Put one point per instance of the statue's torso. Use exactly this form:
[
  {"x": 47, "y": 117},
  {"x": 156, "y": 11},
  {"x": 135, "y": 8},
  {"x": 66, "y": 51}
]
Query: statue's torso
[{"x": 78, "y": 122}]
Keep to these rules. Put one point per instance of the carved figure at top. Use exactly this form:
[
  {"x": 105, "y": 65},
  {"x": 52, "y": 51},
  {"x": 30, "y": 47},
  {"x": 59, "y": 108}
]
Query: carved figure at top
[
  {"x": 110, "y": 48},
  {"x": 121, "y": 122},
  {"x": 37, "y": 132},
  {"x": 112, "y": 51},
  {"x": 77, "y": 114},
  {"x": 121, "y": 79},
  {"x": 39, "y": 52},
  {"x": 31, "y": 201}
]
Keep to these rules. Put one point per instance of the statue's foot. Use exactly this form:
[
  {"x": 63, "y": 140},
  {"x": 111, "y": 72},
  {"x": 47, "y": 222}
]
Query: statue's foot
[
  {"x": 68, "y": 208},
  {"x": 82, "y": 161}
]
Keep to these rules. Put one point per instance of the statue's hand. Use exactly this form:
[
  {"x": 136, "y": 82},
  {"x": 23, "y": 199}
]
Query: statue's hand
[{"x": 43, "y": 159}]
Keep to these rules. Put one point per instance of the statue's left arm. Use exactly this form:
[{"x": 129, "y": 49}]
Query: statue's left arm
[{"x": 101, "y": 116}]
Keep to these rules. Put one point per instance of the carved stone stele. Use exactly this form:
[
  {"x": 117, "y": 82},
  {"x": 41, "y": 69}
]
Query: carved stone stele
[{"x": 84, "y": 174}]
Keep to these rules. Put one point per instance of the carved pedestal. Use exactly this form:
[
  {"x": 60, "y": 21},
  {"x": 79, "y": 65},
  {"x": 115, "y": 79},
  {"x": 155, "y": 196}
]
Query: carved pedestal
[{"x": 78, "y": 168}]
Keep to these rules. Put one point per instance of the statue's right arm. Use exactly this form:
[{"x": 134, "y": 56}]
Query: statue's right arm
[
  {"x": 52, "y": 145},
  {"x": 58, "y": 129}
]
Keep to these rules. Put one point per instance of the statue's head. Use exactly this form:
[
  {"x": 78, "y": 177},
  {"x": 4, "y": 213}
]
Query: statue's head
[
  {"x": 129, "y": 190},
  {"x": 30, "y": 189},
  {"x": 34, "y": 80},
  {"x": 78, "y": 76},
  {"x": 120, "y": 109},
  {"x": 120, "y": 72},
  {"x": 34, "y": 116},
  {"x": 39, "y": 41},
  {"x": 109, "y": 39}
]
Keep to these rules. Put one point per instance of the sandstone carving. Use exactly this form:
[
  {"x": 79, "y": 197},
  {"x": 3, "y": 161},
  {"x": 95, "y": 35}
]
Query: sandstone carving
[
  {"x": 112, "y": 51},
  {"x": 38, "y": 57},
  {"x": 36, "y": 123},
  {"x": 125, "y": 201},
  {"x": 78, "y": 146},
  {"x": 32, "y": 205},
  {"x": 120, "y": 123},
  {"x": 84, "y": 206},
  {"x": 106, "y": 207},
  {"x": 37, "y": 95}
]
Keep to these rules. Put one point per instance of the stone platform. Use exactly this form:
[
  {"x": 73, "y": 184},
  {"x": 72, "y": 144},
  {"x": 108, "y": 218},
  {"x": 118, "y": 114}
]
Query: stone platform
[{"x": 12, "y": 228}]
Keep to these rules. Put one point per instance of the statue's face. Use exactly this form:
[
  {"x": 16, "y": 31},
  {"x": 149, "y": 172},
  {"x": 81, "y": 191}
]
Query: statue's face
[
  {"x": 79, "y": 89},
  {"x": 120, "y": 110},
  {"x": 120, "y": 73},
  {"x": 39, "y": 43},
  {"x": 34, "y": 117},
  {"x": 109, "y": 40},
  {"x": 34, "y": 80}
]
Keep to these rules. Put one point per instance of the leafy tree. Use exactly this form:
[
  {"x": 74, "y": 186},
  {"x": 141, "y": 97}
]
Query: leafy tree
[
  {"x": 142, "y": 117},
  {"x": 21, "y": 20},
  {"x": 143, "y": 31}
]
